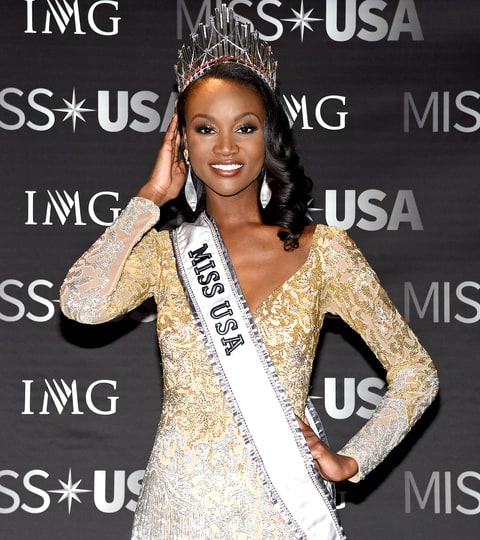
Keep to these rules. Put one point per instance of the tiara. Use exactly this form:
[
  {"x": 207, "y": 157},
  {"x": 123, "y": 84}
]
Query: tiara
[{"x": 224, "y": 39}]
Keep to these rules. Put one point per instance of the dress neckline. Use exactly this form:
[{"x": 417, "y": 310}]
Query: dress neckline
[
  {"x": 292, "y": 277},
  {"x": 276, "y": 290}
]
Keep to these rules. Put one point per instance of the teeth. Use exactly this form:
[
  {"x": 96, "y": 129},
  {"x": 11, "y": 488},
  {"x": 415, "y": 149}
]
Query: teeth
[{"x": 229, "y": 167}]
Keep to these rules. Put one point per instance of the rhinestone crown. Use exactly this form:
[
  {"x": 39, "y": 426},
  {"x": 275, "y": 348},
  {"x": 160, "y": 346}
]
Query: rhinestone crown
[{"x": 224, "y": 39}]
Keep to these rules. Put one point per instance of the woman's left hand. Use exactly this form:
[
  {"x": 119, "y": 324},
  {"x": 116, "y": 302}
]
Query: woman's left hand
[{"x": 331, "y": 466}]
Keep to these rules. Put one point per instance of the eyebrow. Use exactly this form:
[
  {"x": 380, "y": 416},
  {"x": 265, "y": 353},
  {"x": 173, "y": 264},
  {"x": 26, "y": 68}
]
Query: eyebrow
[{"x": 236, "y": 119}]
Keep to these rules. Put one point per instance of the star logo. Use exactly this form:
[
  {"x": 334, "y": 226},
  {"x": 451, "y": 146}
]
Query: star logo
[
  {"x": 74, "y": 110},
  {"x": 69, "y": 491},
  {"x": 302, "y": 20},
  {"x": 310, "y": 218}
]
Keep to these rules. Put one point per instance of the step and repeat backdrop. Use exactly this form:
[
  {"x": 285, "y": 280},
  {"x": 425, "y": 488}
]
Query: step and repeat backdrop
[{"x": 385, "y": 99}]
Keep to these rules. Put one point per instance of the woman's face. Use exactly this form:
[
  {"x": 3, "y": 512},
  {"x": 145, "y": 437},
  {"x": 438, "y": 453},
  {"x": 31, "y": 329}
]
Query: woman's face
[{"x": 224, "y": 135}]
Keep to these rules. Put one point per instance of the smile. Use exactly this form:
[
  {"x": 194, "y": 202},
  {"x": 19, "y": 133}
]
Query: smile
[{"x": 227, "y": 166}]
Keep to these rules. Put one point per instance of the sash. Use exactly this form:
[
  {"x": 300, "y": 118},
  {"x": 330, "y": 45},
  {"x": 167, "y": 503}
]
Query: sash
[{"x": 251, "y": 385}]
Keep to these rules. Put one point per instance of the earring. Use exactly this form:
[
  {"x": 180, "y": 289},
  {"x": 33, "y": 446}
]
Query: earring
[
  {"x": 265, "y": 192},
  {"x": 190, "y": 191}
]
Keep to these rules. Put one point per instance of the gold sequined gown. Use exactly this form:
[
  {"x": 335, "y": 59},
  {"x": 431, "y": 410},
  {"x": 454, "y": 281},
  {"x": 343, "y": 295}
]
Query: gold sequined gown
[{"x": 200, "y": 483}]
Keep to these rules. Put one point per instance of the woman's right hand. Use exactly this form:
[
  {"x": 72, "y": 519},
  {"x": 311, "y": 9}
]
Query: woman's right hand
[{"x": 169, "y": 173}]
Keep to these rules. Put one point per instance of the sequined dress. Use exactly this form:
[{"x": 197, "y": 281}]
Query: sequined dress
[{"x": 200, "y": 483}]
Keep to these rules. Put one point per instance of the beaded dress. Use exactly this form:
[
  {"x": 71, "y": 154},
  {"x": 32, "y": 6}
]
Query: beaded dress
[{"x": 200, "y": 483}]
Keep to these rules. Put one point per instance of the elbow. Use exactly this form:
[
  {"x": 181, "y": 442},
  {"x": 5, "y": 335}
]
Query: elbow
[
  {"x": 82, "y": 314},
  {"x": 75, "y": 312},
  {"x": 65, "y": 301},
  {"x": 433, "y": 382},
  {"x": 77, "y": 308},
  {"x": 427, "y": 387}
]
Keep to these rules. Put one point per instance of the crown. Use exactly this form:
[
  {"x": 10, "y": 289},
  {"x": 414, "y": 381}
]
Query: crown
[{"x": 224, "y": 39}]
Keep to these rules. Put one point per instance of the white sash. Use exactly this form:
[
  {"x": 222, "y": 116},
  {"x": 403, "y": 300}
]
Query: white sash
[{"x": 251, "y": 385}]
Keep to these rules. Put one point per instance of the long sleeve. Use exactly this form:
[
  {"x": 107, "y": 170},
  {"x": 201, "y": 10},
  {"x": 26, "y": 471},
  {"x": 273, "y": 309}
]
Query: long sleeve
[
  {"x": 355, "y": 294},
  {"x": 117, "y": 273}
]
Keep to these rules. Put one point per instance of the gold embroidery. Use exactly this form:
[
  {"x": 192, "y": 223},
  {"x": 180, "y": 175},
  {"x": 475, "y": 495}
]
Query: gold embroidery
[{"x": 200, "y": 482}]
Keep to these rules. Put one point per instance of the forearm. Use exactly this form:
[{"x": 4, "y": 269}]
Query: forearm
[
  {"x": 413, "y": 390},
  {"x": 87, "y": 293}
]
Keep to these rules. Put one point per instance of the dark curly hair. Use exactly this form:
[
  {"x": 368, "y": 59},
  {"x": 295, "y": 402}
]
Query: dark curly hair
[{"x": 291, "y": 188}]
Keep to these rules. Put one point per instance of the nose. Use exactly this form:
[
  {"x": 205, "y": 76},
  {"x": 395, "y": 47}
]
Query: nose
[{"x": 225, "y": 144}]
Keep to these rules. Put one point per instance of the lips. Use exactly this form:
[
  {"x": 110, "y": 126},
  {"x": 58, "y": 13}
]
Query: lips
[{"x": 227, "y": 167}]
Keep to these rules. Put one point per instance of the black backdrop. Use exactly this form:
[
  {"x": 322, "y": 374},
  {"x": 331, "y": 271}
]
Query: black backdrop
[{"x": 385, "y": 96}]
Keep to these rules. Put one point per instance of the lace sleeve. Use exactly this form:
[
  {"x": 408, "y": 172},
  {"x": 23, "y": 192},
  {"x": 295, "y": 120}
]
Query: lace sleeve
[
  {"x": 109, "y": 279},
  {"x": 355, "y": 294}
]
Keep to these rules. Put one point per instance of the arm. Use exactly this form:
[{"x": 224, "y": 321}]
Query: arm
[
  {"x": 355, "y": 294},
  {"x": 111, "y": 278},
  {"x": 118, "y": 272}
]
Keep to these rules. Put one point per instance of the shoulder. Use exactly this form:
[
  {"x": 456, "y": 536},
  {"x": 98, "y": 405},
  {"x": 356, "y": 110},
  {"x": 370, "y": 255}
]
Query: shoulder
[
  {"x": 333, "y": 247},
  {"x": 154, "y": 242},
  {"x": 163, "y": 242},
  {"x": 328, "y": 237},
  {"x": 162, "y": 238}
]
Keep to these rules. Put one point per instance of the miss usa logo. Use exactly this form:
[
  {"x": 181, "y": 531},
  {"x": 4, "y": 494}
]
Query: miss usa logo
[
  {"x": 443, "y": 492},
  {"x": 344, "y": 20},
  {"x": 111, "y": 491},
  {"x": 111, "y": 111}
]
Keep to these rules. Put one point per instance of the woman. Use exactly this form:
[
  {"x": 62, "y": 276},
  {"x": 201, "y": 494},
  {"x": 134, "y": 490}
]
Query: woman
[{"x": 241, "y": 296}]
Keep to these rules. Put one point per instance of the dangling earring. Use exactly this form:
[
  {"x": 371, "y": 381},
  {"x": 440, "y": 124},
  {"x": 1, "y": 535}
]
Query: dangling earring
[
  {"x": 265, "y": 192},
  {"x": 190, "y": 191}
]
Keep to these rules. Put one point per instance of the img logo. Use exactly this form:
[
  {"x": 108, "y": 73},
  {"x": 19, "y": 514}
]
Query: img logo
[
  {"x": 61, "y": 396},
  {"x": 49, "y": 16},
  {"x": 58, "y": 207},
  {"x": 328, "y": 112}
]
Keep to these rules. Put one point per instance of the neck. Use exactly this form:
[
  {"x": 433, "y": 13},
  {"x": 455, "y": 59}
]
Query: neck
[{"x": 236, "y": 211}]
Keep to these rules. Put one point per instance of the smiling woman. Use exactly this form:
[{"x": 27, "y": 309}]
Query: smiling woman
[
  {"x": 224, "y": 137},
  {"x": 243, "y": 284}
]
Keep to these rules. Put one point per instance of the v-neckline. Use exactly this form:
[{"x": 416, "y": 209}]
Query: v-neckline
[
  {"x": 280, "y": 287},
  {"x": 277, "y": 289}
]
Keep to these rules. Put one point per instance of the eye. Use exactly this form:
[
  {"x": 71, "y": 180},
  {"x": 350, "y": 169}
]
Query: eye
[
  {"x": 204, "y": 129},
  {"x": 247, "y": 128}
]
